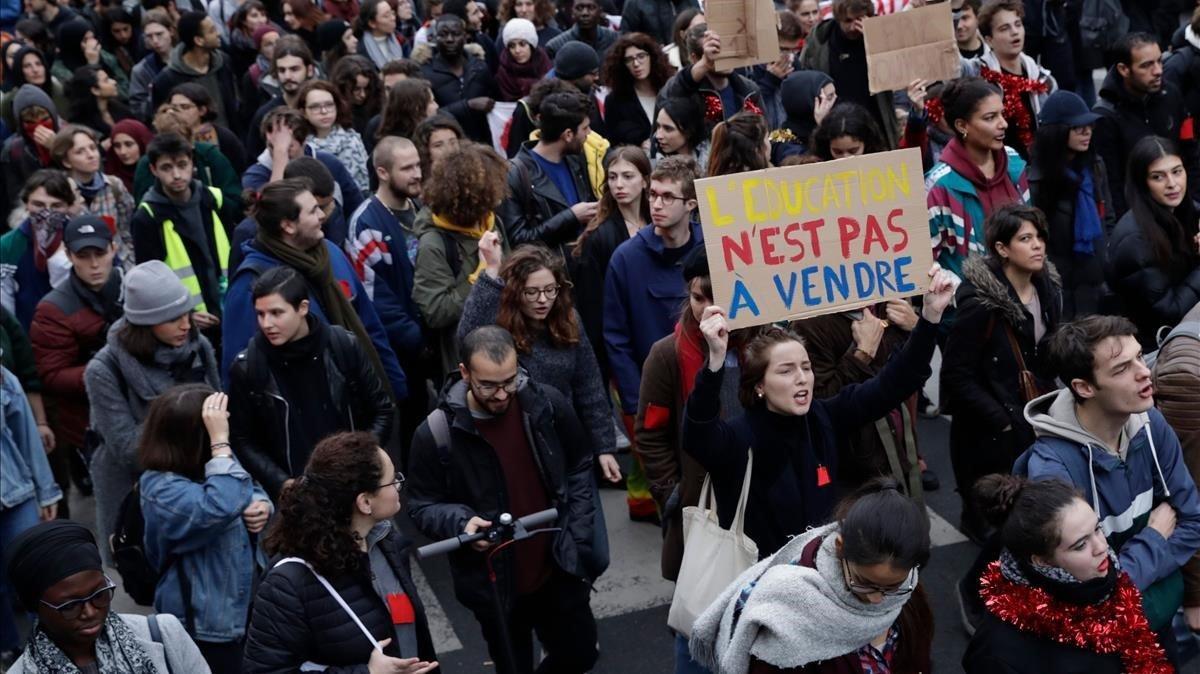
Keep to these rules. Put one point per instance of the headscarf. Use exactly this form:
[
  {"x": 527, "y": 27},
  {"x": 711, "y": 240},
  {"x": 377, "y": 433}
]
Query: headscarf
[
  {"x": 45, "y": 554},
  {"x": 141, "y": 134},
  {"x": 18, "y": 75},
  {"x": 47, "y": 229}
]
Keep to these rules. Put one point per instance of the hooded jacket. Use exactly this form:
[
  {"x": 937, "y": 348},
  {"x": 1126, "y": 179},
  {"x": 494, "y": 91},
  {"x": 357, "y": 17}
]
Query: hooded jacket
[
  {"x": 960, "y": 199},
  {"x": 1125, "y": 119},
  {"x": 140, "y": 82},
  {"x": 1121, "y": 489},
  {"x": 219, "y": 82},
  {"x": 797, "y": 94},
  {"x": 643, "y": 291},
  {"x": 816, "y": 56},
  {"x": 19, "y": 156},
  {"x": 1033, "y": 71},
  {"x": 745, "y": 92},
  {"x": 447, "y": 488},
  {"x": 453, "y": 92}
]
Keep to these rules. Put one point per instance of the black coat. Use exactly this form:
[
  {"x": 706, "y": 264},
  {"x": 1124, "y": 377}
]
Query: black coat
[
  {"x": 452, "y": 93},
  {"x": 296, "y": 620},
  {"x": 626, "y": 118},
  {"x": 523, "y": 124},
  {"x": 1181, "y": 71},
  {"x": 1000, "y": 648},
  {"x": 1149, "y": 294},
  {"x": 447, "y": 489},
  {"x": 656, "y": 18},
  {"x": 535, "y": 210},
  {"x": 259, "y": 427},
  {"x": 588, "y": 273},
  {"x": 979, "y": 380},
  {"x": 1082, "y": 275},
  {"x": 786, "y": 495},
  {"x": 1125, "y": 119}
]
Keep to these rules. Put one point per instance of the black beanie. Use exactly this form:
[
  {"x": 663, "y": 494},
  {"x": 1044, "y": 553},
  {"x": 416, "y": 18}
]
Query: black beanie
[
  {"x": 695, "y": 263},
  {"x": 45, "y": 554},
  {"x": 574, "y": 60},
  {"x": 329, "y": 33}
]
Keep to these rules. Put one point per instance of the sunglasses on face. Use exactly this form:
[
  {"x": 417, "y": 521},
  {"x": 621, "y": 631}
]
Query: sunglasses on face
[{"x": 70, "y": 610}]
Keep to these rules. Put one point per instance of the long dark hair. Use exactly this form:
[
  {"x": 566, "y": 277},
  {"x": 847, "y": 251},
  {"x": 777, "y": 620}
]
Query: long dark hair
[
  {"x": 686, "y": 113},
  {"x": 738, "y": 144},
  {"x": 84, "y": 108},
  {"x": 608, "y": 204},
  {"x": 1169, "y": 233},
  {"x": 561, "y": 327},
  {"x": 316, "y": 510},
  {"x": 879, "y": 524},
  {"x": 405, "y": 108},
  {"x": 344, "y": 76},
  {"x": 174, "y": 438},
  {"x": 1048, "y": 157}
]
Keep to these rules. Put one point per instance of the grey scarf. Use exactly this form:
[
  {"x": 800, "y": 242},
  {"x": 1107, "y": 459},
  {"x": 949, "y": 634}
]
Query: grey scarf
[
  {"x": 793, "y": 615},
  {"x": 118, "y": 651}
]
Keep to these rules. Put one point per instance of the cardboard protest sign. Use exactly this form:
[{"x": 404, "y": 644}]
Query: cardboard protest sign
[
  {"x": 747, "y": 29},
  {"x": 800, "y": 241},
  {"x": 906, "y": 46}
]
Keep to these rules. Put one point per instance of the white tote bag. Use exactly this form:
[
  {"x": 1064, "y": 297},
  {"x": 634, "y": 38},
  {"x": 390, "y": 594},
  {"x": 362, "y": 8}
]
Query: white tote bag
[{"x": 712, "y": 557}]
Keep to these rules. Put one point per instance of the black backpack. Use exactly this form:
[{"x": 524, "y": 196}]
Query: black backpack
[
  {"x": 1101, "y": 24},
  {"x": 138, "y": 575}
]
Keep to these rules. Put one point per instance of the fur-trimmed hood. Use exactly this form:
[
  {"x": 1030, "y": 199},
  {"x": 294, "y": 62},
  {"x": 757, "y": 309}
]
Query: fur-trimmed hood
[
  {"x": 995, "y": 293},
  {"x": 423, "y": 52}
]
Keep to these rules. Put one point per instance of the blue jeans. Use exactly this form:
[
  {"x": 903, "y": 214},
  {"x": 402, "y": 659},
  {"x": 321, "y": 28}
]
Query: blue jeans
[
  {"x": 684, "y": 664},
  {"x": 12, "y": 522}
]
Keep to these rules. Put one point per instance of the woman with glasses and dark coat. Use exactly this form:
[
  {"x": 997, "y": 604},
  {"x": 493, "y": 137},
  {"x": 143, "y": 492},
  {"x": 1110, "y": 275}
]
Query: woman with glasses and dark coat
[
  {"x": 340, "y": 595},
  {"x": 56, "y": 569},
  {"x": 843, "y": 597}
]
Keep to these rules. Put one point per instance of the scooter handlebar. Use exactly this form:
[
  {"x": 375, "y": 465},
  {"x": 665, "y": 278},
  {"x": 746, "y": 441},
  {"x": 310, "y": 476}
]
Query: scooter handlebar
[{"x": 527, "y": 522}]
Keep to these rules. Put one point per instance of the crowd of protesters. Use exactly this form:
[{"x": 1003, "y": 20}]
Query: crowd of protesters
[{"x": 277, "y": 276}]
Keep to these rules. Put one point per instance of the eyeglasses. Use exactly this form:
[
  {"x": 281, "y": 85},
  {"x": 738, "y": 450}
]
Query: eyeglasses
[
  {"x": 532, "y": 294},
  {"x": 398, "y": 483},
  {"x": 668, "y": 199},
  {"x": 636, "y": 58},
  {"x": 856, "y": 587},
  {"x": 489, "y": 389},
  {"x": 321, "y": 107},
  {"x": 99, "y": 599}
]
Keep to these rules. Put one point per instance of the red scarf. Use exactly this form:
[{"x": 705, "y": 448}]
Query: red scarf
[
  {"x": 1116, "y": 625},
  {"x": 43, "y": 152},
  {"x": 690, "y": 352},
  {"x": 1015, "y": 111}
]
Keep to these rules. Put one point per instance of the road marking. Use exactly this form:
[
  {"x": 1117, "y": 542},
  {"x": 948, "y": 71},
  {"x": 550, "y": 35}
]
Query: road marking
[
  {"x": 942, "y": 532},
  {"x": 445, "y": 640}
]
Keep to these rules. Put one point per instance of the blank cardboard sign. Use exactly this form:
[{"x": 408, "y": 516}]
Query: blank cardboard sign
[
  {"x": 747, "y": 29},
  {"x": 906, "y": 46}
]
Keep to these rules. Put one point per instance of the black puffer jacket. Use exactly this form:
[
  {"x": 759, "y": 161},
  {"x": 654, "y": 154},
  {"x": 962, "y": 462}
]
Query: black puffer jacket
[
  {"x": 1150, "y": 295},
  {"x": 1125, "y": 119},
  {"x": 296, "y": 620},
  {"x": 446, "y": 490},
  {"x": 980, "y": 384},
  {"x": 260, "y": 423}
]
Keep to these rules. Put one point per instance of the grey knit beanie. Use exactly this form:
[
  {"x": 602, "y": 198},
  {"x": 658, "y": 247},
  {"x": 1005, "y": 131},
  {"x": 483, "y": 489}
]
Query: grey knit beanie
[{"x": 154, "y": 294}]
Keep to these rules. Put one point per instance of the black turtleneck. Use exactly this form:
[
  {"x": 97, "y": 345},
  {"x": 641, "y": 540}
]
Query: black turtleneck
[{"x": 299, "y": 371}]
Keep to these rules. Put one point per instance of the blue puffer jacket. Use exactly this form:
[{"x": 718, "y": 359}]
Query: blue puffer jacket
[
  {"x": 24, "y": 469},
  {"x": 239, "y": 323},
  {"x": 201, "y": 524},
  {"x": 1123, "y": 492}
]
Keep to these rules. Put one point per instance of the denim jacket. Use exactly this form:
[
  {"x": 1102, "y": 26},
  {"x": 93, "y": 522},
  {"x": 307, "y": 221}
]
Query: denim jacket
[
  {"x": 202, "y": 523},
  {"x": 24, "y": 469}
]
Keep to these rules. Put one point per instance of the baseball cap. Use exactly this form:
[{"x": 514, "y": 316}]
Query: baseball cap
[{"x": 86, "y": 231}]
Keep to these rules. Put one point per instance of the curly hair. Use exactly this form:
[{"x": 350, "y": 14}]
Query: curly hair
[
  {"x": 467, "y": 185},
  {"x": 561, "y": 327},
  {"x": 543, "y": 12},
  {"x": 847, "y": 119},
  {"x": 344, "y": 76},
  {"x": 342, "y": 106},
  {"x": 405, "y": 108},
  {"x": 316, "y": 510},
  {"x": 616, "y": 74}
]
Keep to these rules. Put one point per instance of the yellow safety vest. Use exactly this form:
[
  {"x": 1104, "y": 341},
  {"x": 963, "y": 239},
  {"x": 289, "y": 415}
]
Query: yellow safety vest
[{"x": 178, "y": 260}]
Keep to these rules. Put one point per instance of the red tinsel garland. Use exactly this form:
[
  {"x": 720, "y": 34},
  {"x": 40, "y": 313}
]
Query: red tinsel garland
[
  {"x": 1116, "y": 625},
  {"x": 1015, "y": 112},
  {"x": 714, "y": 111}
]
